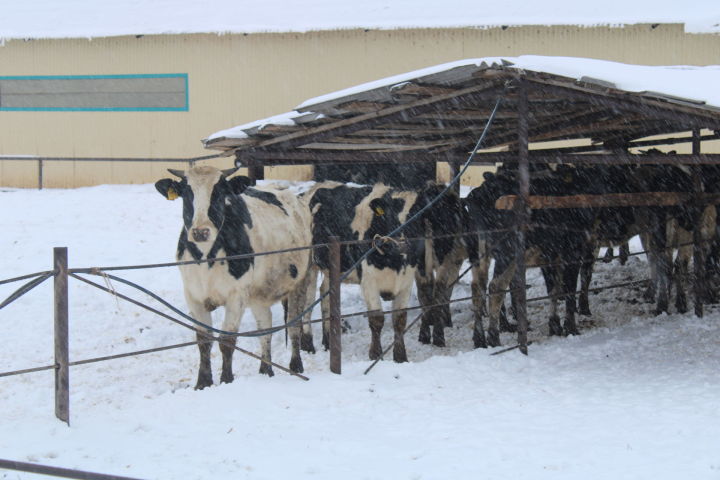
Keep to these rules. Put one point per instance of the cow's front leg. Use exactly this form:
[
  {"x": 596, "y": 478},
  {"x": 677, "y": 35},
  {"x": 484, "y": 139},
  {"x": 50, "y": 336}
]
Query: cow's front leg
[
  {"x": 204, "y": 339},
  {"x": 233, "y": 314},
  {"x": 681, "y": 275},
  {"x": 552, "y": 285},
  {"x": 586, "y": 271},
  {"x": 446, "y": 275},
  {"x": 263, "y": 317},
  {"x": 306, "y": 339},
  {"x": 502, "y": 277},
  {"x": 376, "y": 318},
  {"x": 325, "y": 309},
  {"x": 478, "y": 287},
  {"x": 296, "y": 304},
  {"x": 425, "y": 286},
  {"x": 399, "y": 323}
]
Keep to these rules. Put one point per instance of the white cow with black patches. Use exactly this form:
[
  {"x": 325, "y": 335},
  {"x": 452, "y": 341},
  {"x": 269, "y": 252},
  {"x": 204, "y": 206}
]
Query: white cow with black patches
[
  {"x": 224, "y": 217},
  {"x": 359, "y": 213}
]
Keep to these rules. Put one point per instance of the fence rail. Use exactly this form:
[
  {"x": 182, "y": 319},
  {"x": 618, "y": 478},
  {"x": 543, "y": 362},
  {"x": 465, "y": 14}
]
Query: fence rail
[
  {"x": 62, "y": 273},
  {"x": 41, "y": 161}
]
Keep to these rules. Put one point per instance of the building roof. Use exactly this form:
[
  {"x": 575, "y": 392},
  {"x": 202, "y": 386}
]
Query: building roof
[
  {"x": 92, "y": 18},
  {"x": 438, "y": 112}
]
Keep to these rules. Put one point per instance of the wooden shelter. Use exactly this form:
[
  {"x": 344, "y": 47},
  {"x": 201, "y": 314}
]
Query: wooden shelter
[{"x": 436, "y": 115}]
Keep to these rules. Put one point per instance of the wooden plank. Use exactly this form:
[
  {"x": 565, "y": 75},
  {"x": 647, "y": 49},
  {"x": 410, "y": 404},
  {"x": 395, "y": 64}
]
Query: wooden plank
[
  {"x": 343, "y": 127},
  {"x": 522, "y": 216},
  {"x": 602, "y": 158},
  {"x": 362, "y": 106},
  {"x": 421, "y": 90},
  {"x": 646, "y": 199},
  {"x": 653, "y": 108}
]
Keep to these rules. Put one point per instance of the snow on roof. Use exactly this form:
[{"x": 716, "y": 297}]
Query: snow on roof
[
  {"x": 689, "y": 83},
  {"x": 92, "y": 18}
]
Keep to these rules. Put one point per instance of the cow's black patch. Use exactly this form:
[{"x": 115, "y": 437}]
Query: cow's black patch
[
  {"x": 230, "y": 215},
  {"x": 267, "y": 197},
  {"x": 293, "y": 271},
  {"x": 233, "y": 237},
  {"x": 333, "y": 217}
]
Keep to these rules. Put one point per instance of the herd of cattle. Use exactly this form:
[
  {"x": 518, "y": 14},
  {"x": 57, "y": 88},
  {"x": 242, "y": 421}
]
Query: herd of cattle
[{"x": 225, "y": 216}]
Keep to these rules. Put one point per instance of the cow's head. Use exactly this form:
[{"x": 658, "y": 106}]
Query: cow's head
[{"x": 205, "y": 192}]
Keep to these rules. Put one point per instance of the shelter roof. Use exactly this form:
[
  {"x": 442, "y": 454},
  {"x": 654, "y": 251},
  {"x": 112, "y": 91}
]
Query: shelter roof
[{"x": 437, "y": 113}]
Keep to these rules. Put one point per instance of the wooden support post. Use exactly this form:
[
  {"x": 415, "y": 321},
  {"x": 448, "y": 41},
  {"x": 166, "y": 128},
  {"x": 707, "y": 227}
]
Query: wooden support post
[
  {"x": 699, "y": 274},
  {"x": 454, "y": 170},
  {"x": 256, "y": 170},
  {"x": 335, "y": 331},
  {"x": 522, "y": 218},
  {"x": 40, "y": 174},
  {"x": 62, "y": 356}
]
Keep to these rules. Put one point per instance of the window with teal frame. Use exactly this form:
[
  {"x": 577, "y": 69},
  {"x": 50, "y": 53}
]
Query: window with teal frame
[{"x": 95, "y": 93}]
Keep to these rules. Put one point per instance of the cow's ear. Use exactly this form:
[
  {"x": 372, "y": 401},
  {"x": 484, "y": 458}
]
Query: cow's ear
[
  {"x": 488, "y": 176},
  {"x": 239, "y": 184},
  {"x": 168, "y": 188},
  {"x": 378, "y": 206}
]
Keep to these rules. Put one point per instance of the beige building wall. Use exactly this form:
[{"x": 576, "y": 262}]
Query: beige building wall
[{"x": 234, "y": 79}]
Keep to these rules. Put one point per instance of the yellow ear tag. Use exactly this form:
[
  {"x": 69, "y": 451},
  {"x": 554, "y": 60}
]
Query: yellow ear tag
[
  {"x": 379, "y": 211},
  {"x": 172, "y": 194}
]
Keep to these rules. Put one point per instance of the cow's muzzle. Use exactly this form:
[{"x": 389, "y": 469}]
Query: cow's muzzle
[{"x": 200, "y": 234}]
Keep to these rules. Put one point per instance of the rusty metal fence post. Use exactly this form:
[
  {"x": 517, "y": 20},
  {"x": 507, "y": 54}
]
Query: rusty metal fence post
[
  {"x": 62, "y": 360},
  {"x": 335, "y": 332}
]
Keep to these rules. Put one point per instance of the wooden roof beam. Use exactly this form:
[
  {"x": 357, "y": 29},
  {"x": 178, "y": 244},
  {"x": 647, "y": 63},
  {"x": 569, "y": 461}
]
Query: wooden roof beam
[{"x": 346, "y": 126}]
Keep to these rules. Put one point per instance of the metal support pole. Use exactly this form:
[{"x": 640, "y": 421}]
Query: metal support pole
[
  {"x": 699, "y": 274},
  {"x": 62, "y": 356},
  {"x": 522, "y": 217},
  {"x": 334, "y": 334},
  {"x": 40, "y": 174}
]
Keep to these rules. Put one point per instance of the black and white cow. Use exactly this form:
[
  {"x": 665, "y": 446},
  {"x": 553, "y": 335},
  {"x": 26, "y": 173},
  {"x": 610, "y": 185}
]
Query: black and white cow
[
  {"x": 356, "y": 212},
  {"x": 224, "y": 217},
  {"x": 449, "y": 244},
  {"x": 556, "y": 240}
]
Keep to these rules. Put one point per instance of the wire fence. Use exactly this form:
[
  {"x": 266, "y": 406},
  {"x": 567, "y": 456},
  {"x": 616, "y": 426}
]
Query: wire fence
[{"x": 186, "y": 321}]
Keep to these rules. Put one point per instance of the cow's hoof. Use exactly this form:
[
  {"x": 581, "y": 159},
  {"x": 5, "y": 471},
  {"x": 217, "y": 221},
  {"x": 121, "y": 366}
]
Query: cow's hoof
[
  {"x": 681, "y": 305},
  {"x": 584, "y": 307},
  {"x": 306, "y": 344},
  {"x": 399, "y": 355},
  {"x": 554, "y": 326},
  {"x": 202, "y": 383},
  {"x": 649, "y": 295},
  {"x": 479, "y": 340},
  {"x": 424, "y": 336},
  {"x": 375, "y": 352},
  {"x": 493, "y": 337},
  {"x": 506, "y": 326},
  {"x": 296, "y": 365},
  {"x": 448, "y": 322},
  {"x": 325, "y": 342},
  {"x": 439, "y": 340},
  {"x": 571, "y": 330},
  {"x": 227, "y": 377},
  {"x": 266, "y": 369}
]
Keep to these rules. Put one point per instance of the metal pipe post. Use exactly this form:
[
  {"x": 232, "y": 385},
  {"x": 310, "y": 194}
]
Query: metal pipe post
[
  {"x": 62, "y": 356},
  {"x": 335, "y": 331}
]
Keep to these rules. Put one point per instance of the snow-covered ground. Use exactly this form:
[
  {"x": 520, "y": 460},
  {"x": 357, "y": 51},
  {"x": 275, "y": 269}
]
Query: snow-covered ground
[{"x": 635, "y": 396}]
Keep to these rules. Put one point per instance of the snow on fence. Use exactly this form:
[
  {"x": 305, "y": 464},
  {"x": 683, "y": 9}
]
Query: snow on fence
[{"x": 62, "y": 273}]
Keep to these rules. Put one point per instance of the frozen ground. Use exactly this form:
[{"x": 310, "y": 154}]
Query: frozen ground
[{"x": 633, "y": 397}]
